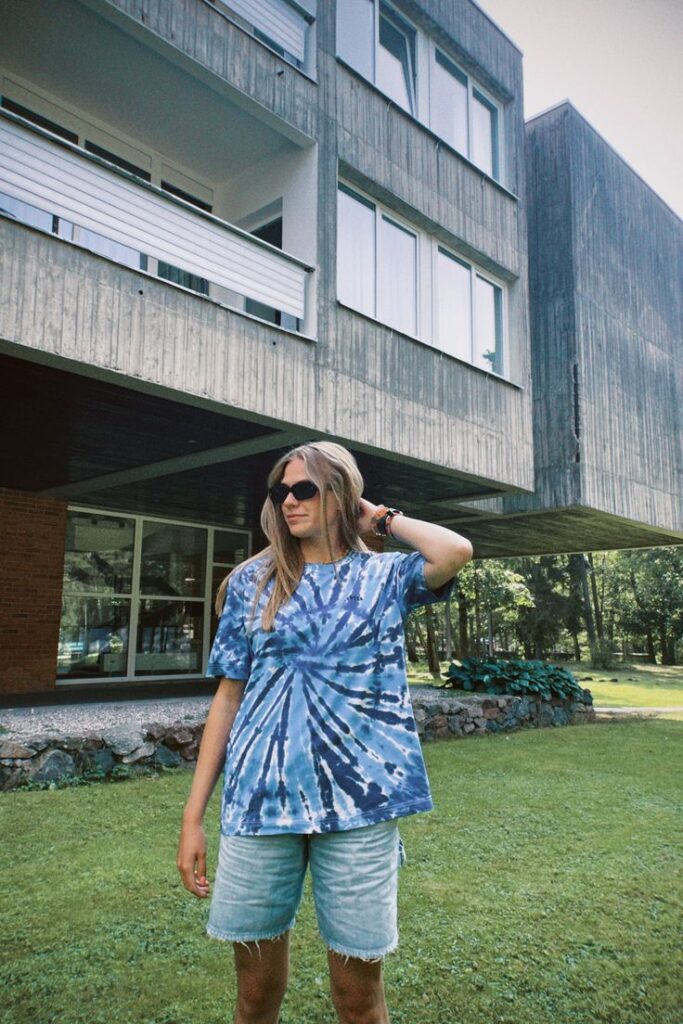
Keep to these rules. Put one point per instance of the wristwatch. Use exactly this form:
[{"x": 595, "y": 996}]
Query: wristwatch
[{"x": 381, "y": 520}]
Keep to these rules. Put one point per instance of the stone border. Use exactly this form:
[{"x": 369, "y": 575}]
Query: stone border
[{"x": 443, "y": 715}]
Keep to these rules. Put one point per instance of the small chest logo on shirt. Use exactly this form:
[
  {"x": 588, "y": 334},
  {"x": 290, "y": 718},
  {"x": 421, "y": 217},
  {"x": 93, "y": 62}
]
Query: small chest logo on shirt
[{"x": 355, "y": 598}]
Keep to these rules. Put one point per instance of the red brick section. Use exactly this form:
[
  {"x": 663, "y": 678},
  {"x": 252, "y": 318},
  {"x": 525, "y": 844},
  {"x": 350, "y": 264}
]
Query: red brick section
[{"x": 32, "y": 532}]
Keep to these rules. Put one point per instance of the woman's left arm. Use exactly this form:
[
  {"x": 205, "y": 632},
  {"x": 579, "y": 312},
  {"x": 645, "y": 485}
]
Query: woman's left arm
[{"x": 445, "y": 551}]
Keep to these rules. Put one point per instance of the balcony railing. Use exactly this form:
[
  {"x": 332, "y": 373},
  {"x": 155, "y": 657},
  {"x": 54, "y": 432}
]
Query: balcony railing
[{"x": 60, "y": 188}]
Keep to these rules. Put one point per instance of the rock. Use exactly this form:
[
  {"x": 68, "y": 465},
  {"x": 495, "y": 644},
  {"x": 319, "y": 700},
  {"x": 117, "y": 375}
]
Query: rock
[
  {"x": 190, "y": 751},
  {"x": 52, "y": 765},
  {"x": 468, "y": 727},
  {"x": 12, "y": 749},
  {"x": 419, "y": 714},
  {"x": 155, "y": 731},
  {"x": 97, "y": 761},
  {"x": 123, "y": 739},
  {"x": 454, "y": 725},
  {"x": 166, "y": 758},
  {"x": 178, "y": 737},
  {"x": 437, "y": 722},
  {"x": 10, "y": 778},
  {"x": 144, "y": 750},
  {"x": 491, "y": 713},
  {"x": 493, "y": 726}
]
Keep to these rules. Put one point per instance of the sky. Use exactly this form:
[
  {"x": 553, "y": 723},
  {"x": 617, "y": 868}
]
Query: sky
[{"x": 620, "y": 62}]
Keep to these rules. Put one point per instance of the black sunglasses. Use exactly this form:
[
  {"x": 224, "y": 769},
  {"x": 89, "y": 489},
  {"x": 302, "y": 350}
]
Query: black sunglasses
[{"x": 302, "y": 491}]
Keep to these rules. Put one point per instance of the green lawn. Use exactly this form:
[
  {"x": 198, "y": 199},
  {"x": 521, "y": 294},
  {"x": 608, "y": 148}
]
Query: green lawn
[{"x": 544, "y": 889}]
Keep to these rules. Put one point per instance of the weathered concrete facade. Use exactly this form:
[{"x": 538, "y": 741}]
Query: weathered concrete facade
[{"x": 606, "y": 329}]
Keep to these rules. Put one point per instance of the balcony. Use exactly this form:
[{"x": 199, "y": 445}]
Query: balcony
[{"x": 60, "y": 188}]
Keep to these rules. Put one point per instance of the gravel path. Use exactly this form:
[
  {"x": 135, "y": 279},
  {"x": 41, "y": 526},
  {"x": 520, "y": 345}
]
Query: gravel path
[{"x": 84, "y": 719}]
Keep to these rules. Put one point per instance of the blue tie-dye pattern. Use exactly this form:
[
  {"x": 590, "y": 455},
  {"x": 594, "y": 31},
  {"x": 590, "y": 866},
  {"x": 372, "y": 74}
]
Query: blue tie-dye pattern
[{"x": 324, "y": 739}]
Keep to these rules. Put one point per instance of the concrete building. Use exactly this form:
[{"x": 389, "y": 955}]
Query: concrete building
[{"x": 231, "y": 226}]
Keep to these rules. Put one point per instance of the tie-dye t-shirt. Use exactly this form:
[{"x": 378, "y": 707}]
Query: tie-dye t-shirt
[{"x": 324, "y": 738}]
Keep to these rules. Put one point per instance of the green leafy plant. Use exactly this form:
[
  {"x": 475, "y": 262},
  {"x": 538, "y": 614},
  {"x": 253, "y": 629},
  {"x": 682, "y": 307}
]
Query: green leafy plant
[{"x": 540, "y": 679}]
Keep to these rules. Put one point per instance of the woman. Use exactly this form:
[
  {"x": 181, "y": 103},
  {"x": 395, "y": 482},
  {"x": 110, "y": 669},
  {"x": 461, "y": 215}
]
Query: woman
[{"x": 323, "y": 754}]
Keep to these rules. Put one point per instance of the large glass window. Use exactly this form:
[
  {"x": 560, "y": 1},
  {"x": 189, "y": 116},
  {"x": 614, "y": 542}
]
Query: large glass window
[
  {"x": 454, "y": 306},
  {"x": 396, "y": 59},
  {"x": 96, "y": 602},
  {"x": 488, "y": 351},
  {"x": 397, "y": 293},
  {"x": 128, "y": 578},
  {"x": 449, "y": 103},
  {"x": 356, "y": 35},
  {"x": 356, "y": 256},
  {"x": 484, "y": 134}
]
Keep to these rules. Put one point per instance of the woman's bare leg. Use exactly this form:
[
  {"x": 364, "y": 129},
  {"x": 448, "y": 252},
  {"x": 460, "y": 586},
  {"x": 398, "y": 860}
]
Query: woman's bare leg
[
  {"x": 357, "y": 990},
  {"x": 262, "y": 970}
]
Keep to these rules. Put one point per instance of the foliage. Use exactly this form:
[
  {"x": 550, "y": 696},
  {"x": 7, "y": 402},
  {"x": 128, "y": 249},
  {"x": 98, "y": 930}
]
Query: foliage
[
  {"x": 603, "y": 654},
  {"x": 538, "y": 678}
]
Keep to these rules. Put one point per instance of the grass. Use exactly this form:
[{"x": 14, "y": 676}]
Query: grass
[{"x": 545, "y": 887}]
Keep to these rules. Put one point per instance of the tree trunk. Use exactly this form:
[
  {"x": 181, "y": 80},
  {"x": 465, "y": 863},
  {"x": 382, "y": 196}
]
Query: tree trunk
[
  {"x": 599, "y": 629},
  {"x": 650, "y": 647},
  {"x": 448, "y": 630},
  {"x": 411, "y": 646},
  {"x": 577, "y": 648},
  {"x": 490, "y": 622},
  {"x": 477, "y": 615},
  {"x": 432, "y": 653},
  {"x": 587, "y": 610},
  {"x": 463, "y": 626}
]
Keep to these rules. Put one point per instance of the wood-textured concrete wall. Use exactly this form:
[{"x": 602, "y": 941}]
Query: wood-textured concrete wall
[
  {"x": 606, "y": 325},
  {"x": 360, "y": 380}
]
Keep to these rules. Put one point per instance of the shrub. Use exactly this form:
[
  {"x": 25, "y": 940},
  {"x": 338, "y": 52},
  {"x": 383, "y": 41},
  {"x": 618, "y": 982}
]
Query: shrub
[
  {"x": 603, "y": 654},
  {"x": 540, "y": 679}
]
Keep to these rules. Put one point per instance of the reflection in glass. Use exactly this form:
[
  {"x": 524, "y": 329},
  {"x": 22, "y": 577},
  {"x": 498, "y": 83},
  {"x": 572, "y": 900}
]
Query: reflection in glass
[
  {"x": 26, "y": 213},
  {"x": 115, "y": 251},
  {"x": 229, "y": 548},
  {"x": 170, "y": 637},
  {"x": 93, "y": 637},
  {"x": 99, "y": 553},
  {"x": 173, "y": 560},
  {"x": 488, "y": 340},
  {"x": 449, "y": 103},
  {"x": 397, "y": 282},
  {"x": 396, "y": 59},
  {"x": 484, "y": 134},
  {"x": 356, "y": 34},
  {"x": 454, "y": 324},
  {"x": 355, "y": 252}
]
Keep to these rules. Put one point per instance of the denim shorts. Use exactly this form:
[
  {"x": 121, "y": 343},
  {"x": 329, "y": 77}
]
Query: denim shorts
[{"x": 259, "y": 881}]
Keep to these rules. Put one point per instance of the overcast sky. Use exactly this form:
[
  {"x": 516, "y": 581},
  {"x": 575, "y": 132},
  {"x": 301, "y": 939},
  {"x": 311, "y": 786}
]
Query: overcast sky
[{"x": 620, "y": 62}]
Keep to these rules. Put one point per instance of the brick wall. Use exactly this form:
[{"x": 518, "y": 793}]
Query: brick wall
[{"x": 32, "y": 533}]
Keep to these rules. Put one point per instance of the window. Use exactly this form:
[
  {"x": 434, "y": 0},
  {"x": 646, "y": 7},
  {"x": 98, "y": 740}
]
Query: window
[
  {"x": 396, "y": 59},
  {"x": 484, "y": 134},
  {"x": 449, "y": 103},
  {"x": 356, "y": 259},
  {"x": 385, "y": 48},
  {"x": 397, "y": 271},
  {"x": 469, "y": 313},
  {"x": 138, "y": 594},
  {"x": 281, "y": 25},
  {"x": 376, "y": 263},
  {"x": 381, "y": 273}
]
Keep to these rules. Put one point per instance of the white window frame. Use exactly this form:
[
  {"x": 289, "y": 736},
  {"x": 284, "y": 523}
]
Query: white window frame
[
  {"x": 135, "y": 596},
  {"x": 475, "y": 272},
  {"x": 425, "y": 61}
]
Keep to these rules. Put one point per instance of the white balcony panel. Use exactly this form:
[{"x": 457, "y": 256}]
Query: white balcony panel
[
  {"x": 277, "y": 20},
  {"x": 62, "y": 181}
]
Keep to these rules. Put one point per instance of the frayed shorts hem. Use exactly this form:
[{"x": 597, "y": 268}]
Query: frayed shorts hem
[
  {"x": 373, "y": 956},
  {"x": 215, "y": 933}
]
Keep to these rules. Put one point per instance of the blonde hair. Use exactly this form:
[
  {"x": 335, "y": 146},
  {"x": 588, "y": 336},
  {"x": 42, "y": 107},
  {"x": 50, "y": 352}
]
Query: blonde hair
[{"x": 332, "y": 468}]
